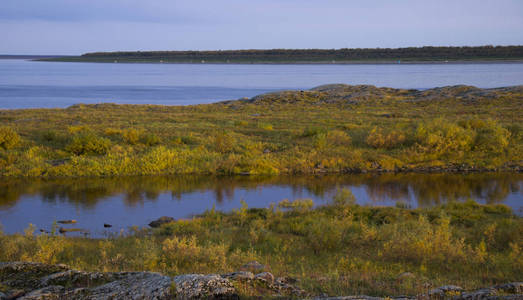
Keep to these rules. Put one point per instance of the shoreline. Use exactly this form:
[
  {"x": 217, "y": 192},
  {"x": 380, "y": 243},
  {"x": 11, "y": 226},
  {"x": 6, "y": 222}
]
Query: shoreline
[{"x": 349, "y": 62}]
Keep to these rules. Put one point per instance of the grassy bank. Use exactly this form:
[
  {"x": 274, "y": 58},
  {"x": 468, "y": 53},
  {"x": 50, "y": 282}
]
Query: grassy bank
[
  {"x": 329, "y": 129},
  {"x": 338, "y": 249}
]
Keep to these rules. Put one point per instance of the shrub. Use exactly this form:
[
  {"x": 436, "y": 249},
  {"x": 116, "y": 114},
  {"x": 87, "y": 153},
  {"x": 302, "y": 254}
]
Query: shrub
[
  {"x": 312, "y": 131},
  {"x": 265, "y": 126},
  {"x": 150, "y": 139},
  {"x": 379, "y": 140},
  {"x": 8, "y": 138},
  {"x": 223, "y": 143},
  {"x": 441, "y": 137},
  {"x": 298, "y": 204},
  {"x": 492, "y": 138},
  {"x": 88, "y": 143},
  {"x": 131, "y": 136},
  {"x": 338, "y": 138},
  {"x": 344, "y": 196}
]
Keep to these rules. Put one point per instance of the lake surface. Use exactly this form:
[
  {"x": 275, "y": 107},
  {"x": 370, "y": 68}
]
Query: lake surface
[
  {"x": 30, "y": 84},
  {"x": 128, "y": 201}
]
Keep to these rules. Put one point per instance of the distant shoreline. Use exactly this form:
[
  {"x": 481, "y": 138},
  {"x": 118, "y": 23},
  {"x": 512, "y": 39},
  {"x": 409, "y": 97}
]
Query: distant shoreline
[
  {"x": 352, "y": 62},
  {"x": 409, "y": 55}
]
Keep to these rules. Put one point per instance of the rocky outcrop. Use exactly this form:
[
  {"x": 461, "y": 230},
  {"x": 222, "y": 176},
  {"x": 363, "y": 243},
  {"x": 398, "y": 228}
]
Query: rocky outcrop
[
  {"x": 31, "y": 281},
  {"x": 509, "y": 291},
  {"x": 36, "y": 281},
  {"x": 344, "y": 93}
]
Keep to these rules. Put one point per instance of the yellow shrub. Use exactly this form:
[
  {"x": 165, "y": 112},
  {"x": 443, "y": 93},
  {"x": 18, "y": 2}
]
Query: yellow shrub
[
  {"x": 8, "y": 138},
  {"x": 380, "y": 140}
]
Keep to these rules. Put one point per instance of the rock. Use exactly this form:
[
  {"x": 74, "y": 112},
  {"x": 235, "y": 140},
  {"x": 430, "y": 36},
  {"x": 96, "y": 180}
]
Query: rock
[
  {"x": 240, "y": 275},
  {"x": 49, "y": 292},
  {"x": 476, "y": 295},
  {"x": 196, "y": 286},
  {"x": 66, "y": 222},
  {"x": 513, "y": 287},
  {"x": 160, "y": 221},
  {"x": 128, "y": 285},
  {"x": 13, "y": 294},
  {"x": 266, "y": 276},
  {"x": 362, "y": 297},
  {"x": 445, "y": 290},
  {"x": 254, "y": 267},
  {"x": 40, "y": 281}
]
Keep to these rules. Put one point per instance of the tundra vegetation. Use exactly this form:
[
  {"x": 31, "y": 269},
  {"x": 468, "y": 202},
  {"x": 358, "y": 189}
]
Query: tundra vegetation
[
  {"x": 329, "y": 129},
  {"x": 338, "y": 249}
]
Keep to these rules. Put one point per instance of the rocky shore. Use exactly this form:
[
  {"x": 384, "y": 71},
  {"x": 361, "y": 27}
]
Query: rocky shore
[{"x": 24, "y": 280}]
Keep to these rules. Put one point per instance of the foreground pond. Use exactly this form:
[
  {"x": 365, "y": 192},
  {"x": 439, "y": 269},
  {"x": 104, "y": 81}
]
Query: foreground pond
[{"x": 128, "y": 201}]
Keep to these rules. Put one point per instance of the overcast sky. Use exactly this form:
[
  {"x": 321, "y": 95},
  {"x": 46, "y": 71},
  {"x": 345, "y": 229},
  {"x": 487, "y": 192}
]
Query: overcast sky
[{"x": 79, "y": 26}]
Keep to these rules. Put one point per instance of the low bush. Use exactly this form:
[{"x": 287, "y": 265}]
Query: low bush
[
  {"x": 8, "y": 138},
  {"x": 88, "y": 144}
]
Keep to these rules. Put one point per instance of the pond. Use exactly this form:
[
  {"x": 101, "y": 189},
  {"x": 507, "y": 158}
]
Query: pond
[{"x": 135, "y": 201}]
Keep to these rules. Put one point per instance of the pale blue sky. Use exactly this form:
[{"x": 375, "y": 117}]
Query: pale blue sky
[{"x": 79, "y": 26}]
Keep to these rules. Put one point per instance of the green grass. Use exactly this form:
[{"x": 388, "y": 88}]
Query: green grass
[
  {"x": 338, "y": 249},
  {"x": 294, "y": 132}
]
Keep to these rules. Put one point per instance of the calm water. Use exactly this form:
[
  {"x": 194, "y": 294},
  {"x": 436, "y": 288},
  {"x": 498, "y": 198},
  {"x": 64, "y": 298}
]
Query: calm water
[
  {"x": 25, "y": 84},
  {"x": 129, "y": 201}
]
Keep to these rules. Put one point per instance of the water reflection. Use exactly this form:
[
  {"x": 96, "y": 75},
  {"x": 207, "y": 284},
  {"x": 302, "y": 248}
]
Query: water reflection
[
  {"x": 424, "y": 189},
  {"x": 127, "y": 201}
]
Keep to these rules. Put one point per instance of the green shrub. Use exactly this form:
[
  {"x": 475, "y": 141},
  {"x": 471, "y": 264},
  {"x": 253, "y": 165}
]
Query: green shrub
[{"x": 8, "y": 138}]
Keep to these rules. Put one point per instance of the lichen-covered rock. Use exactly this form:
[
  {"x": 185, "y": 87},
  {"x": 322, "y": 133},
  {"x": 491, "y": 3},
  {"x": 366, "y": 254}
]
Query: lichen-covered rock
[
  {"x": 129, "y": 285},
  {"x": 46, "y": 293},
  {"x": 198, "y": 286},
  {"x": 32, "y": 281},
  {"x": 26, "y": 275},
  {"x": 512, "y": 287},
  {"x": 362, "y": 297},
  {"x": 265, "y": 276},
  {"x": 445, "y": 291}
]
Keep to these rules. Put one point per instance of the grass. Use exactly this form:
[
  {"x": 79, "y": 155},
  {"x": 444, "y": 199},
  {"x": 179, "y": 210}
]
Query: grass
[
  {"x": 300, "y": 132},
  {"x": 337, "y": 249}
]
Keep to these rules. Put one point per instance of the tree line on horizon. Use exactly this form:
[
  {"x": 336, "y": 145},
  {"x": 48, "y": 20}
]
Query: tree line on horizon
[{"x": 427, "y": 52}]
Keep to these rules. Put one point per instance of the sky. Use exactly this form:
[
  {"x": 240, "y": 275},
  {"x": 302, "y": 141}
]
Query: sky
[{"x": 79, "y": 26}]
